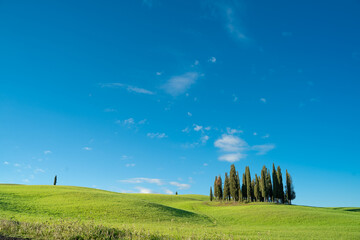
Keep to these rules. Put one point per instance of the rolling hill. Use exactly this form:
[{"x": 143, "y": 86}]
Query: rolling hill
[{"x": 63, "y": 211}]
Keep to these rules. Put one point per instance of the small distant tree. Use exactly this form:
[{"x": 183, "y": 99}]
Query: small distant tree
[
  {"x": 176, "y": 193},
  {"x": 226, "y": 188},
  {"x": 55, "y": 180},
  {"x": 289, "y": 192},
  {"x": 211, "y": 194}
]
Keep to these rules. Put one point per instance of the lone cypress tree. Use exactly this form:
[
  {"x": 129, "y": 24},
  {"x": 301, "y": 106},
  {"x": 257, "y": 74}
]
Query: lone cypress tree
[
  {"x": 55, "y": 180},
  {"x": 280, "y": 185},
  {"x": 275, "y": 185},
  {"x": 248, "y": 183},
  {"x": 290, "y": 193},
  {"x": 226, "y": 188},
  {"x": 233, "y": 183},
  {"x": 211, "y": 194}
]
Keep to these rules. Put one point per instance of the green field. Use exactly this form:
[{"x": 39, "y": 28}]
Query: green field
[{"x": 62, "y": 211}]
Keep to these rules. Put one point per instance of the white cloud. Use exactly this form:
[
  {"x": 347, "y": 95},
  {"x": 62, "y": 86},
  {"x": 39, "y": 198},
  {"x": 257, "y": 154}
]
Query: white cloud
[
  {"x": 124, "y": 157},
  {"x": 232, "y": 131},
  {"x": 130, "y": 165},
  {"x": 230, "y": 143},
  {"x": 47, "y": 152},
  {"x": 263, "y": 100},
  {"x": 212, "y": 59},
  {"x": 179, "y": 84},
  {"x": 204, "y": 139},
  {"x": 205, "y": 164},
  {"x": 167, "y": 191},
  {"x": 144, "y": 190},
  {"x": 6, "y": 163},
  {"x": 197, "y": 127},
  {"x": 196, "y": 62},
  {"x": 129, "y": 88},
  {"x": 263, "y": 149},
  {"x": 156, "y": 135},
  {"x": 266, "y": 136},
  {"x": 39, "y": 170},
  {"x": 87, "y": 148},
  {"x": 232, "y": 157},
  {"x": 189, "y": 114},
  {"x": 186, "y": 130},
  {"x": 26, "y": 180},
  {"x": 182, "y": 186},
  {"x": 129, "y": 121},
  {"x": 142, "y": 121},
  {"x": 159, "y": 73},
  {"x": 255, "y": 134},
  {"x": 17, "y": 165},
  {"x": 143, "y": 180}
]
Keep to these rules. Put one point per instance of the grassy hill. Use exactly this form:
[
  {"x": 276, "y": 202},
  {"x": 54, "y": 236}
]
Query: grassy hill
[{"x": 63, "y": 211}]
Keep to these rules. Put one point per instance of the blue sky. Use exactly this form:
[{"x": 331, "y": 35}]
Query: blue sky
[{"x": 161, "y": 96}]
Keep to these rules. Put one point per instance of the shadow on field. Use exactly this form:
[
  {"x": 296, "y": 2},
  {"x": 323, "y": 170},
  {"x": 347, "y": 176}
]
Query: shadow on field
[
  {"x": 353, "y": 210},
  {"x": 12, "y": 238}
]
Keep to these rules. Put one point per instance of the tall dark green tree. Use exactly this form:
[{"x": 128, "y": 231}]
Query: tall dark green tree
[
  {"x": 227, "y": 195},
  {"x": 269, "y": 185},
  {"x": 243, "y": 187},
  {"x": 238, "y": 189},
  {"x": 248, "y": 183},
  {"x": 233, "y": 183},
  {"x": 252, "y": 190},
  {"x": 263, "y": 187},
  {"x": 220, "y": 189},
  {"x": 275, "y": 184},
  {"x": 280, "y": 185},
  {"x": 289, "y": 192},
  {"x": 55, "y": 180},
  {"x": 211, "y": 194},
  {"x": 215, "y": 188},
  {"x": 257, "y": 192}
]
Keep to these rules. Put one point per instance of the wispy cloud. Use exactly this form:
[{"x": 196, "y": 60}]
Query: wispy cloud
[
  {"x": 197, "y": 128},
  {"x": 182, "y": 186},
  {"x": 230, "y": 143},
  {"x": 143, "y": 180},
  {"x": 263, "y": 149},
  {"x": 39, "y": 170},
  {"x": 232, "y": 157},
  {"x": 129, "y": 88},
  {"x": 263, "y": 100},
  {"x": 130, "y": 165},
  {"x": 6, "y": 163},
  {"x": 168, "y": 191},
  {"x": 156, "y": 135},
  {"x": 87, "y": 148},
  {"x": 47, "y": 152},
  {"x": 178, "y": 85},
  {"x": 233, "y": 131},
  {"x": 212, "y": 60}
]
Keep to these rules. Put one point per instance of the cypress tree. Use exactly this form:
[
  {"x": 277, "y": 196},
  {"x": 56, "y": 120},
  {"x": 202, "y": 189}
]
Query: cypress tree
[
  {"x": 275, "y": 185},
  {"x": 211, "y": 194},
  {"x": 280, "y": 185},
  {"x": 233, "y": 183},
  {"x": 290, "y": 193},
  {"x": 263, "y": 183},
  {"x": 220, "y": 190},
  {"x": 257, "y": 192},
  {"x": 216, "y": 188},
  {"x": 252, "y": 190},
  {"x": 243, "y": 187},
  {"x": 269, "y": 185},
  {"x": 238, "y": 190},
  {"x": 226, "y": 188},
  {"x": 248, "y": 183},
  {"x": 55, "y": 180}
]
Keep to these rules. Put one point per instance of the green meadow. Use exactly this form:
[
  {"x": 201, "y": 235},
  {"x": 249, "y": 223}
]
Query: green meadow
[{"x": 64, "y": 212}]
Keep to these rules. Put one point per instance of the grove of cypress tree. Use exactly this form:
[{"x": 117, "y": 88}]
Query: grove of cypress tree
[
  {"x": 211, "y": 194},
  {"x": 289, "y": 192},
  {"x": 248, "y": 183},
  {"x": 280, "y": 185},
  {"x": 226, "y": 188},
  {"x": 233, "y": 183}
]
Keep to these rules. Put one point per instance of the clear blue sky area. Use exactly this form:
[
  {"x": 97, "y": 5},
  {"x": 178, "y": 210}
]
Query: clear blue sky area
[{"x": 161, "y": 96}]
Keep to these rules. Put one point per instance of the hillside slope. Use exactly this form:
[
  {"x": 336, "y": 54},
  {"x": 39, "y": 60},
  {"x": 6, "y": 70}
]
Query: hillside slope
[{"x": 177, "y": 216}]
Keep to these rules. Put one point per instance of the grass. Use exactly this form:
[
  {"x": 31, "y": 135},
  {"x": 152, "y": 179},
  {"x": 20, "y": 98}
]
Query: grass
[{"x": 63, "y": 212}]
